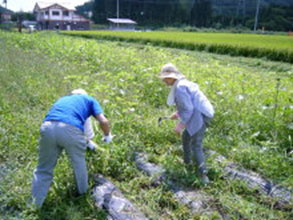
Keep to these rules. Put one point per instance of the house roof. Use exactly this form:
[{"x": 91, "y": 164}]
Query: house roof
[
  {"x": 4, "y": 10},
  {"x": 46, "y": 4},
  {"x": 121, "y": 20}
]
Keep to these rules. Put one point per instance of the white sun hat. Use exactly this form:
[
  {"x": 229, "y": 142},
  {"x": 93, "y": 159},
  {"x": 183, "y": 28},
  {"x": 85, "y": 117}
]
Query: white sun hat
[{"x": 170, "y": 71}]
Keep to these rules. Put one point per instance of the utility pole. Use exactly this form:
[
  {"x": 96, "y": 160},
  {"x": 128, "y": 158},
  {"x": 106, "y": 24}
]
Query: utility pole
[
  {"x": 117, "y": 8},
  {"x": 256, "y": 15},
  {"x": 5, "y": 2},
  {"x": 117, "y": 13},
  {"x": 19, "y": 22}
]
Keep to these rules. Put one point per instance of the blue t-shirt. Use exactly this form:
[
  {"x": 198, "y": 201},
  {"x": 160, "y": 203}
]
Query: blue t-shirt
[{"x": 74, "y": 110}]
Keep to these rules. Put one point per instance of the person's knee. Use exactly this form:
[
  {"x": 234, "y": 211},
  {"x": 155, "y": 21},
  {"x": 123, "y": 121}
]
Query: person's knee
[{"x": 197, "y": 145}]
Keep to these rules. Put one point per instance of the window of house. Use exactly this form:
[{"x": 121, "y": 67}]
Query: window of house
[
  {"x": 65, "y": 13},
  {"x": 55, "y": 13}
]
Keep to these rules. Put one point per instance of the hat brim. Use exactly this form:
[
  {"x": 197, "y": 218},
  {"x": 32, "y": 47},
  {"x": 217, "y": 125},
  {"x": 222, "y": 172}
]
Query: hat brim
[{"x": 171, "y": 75}]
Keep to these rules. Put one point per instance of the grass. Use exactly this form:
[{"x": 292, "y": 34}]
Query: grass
[
  {"x": 272, "y": 47},
  {"x": 251, "y": 126}
]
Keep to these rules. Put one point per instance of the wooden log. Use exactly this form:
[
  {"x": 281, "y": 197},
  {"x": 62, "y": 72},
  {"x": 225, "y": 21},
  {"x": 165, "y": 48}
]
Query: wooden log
[{"x": 110, "y": 198}]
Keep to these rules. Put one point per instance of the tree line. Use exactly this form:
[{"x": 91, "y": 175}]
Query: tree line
[
  {"x": 156, "y": 12},
  {"x": 195, "y": 13}
]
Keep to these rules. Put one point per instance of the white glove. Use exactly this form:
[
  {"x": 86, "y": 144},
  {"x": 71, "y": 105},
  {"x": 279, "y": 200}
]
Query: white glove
[
  {"x": 108, "y": 138},
  {"x": 92, "y": 145}
]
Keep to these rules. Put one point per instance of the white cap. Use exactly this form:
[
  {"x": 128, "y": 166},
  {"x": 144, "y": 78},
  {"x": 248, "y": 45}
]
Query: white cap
[{"x": 79, "y": 91}]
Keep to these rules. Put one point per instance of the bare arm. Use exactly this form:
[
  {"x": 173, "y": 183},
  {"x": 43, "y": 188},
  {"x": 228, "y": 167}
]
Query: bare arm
[
  {"x": 104, "y": 123},
  {"x": 174, "y": 116}
]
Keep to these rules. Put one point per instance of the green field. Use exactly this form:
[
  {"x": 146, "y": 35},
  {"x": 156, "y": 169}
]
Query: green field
[
  {"x": 252, "y": 125},
  {"x": 272, "y": 47}
]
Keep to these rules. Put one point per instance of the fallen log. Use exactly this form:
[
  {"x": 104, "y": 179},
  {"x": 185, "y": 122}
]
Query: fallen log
[
  {"x": 107, "y": 196},
  {"x": 197, "y": 201},
  {"x": 253, "y": 180}
]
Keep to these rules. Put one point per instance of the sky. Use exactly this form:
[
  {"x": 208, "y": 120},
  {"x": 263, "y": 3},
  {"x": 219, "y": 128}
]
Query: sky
[{"x": 28, "y": 5}]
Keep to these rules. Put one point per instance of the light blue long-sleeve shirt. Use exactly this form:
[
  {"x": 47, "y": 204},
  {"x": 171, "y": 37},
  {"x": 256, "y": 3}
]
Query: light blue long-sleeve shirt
[{"x": 191, "y": 105}]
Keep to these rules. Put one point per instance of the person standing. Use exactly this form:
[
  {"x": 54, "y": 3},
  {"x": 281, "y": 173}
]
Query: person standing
[
  {"x": 194, "y": 111},
  {"x": 63, "y": 129}
]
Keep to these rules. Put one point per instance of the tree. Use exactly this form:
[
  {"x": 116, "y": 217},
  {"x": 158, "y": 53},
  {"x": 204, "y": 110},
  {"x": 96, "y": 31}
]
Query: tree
[
  {"x": 24, "y": 16},
  {"x": 99, "y": 11},
  {"x": 85, "y": 9},
  {"x": 201, "y": 13},
  {"x": 277, "y": 18}
]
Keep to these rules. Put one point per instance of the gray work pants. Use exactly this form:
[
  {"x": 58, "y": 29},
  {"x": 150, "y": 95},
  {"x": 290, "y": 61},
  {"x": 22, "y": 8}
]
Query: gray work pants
[
  {"x": 56, "y": 136},
  {"x": 193, "y": 149}
]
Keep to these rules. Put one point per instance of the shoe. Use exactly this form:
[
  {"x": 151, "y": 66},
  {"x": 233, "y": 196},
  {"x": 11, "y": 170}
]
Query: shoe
[
  {"x": 204, "y": 179},
  {"x": 189, "y": 166}
]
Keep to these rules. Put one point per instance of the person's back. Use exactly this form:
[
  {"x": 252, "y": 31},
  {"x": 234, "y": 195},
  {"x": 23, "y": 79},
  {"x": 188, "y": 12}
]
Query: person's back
[
  {"x": 74, "y": 110},
  {"x": 192, "y": 105},
  {"x": 200, "y": 101}
]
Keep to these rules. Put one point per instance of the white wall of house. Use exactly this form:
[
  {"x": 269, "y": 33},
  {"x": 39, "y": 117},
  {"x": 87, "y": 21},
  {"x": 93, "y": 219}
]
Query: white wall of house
[
  {"x": 6, "y": 17},
  {"x": 60, "y": 14},
  {"x": 55, "y": 14}
]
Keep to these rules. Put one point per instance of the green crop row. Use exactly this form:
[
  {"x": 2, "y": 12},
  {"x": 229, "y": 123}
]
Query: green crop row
[{"x": 278, "y": 48}]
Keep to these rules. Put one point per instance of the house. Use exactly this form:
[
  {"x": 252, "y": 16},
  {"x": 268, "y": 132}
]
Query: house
[
  {"x": 123, "y": 24},
  {"x": 61, "y": 16},
  {"x": 5, "y": 15}
]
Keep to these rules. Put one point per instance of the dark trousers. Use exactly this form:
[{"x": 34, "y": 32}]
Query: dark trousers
[{"x": 193, "y": 148}]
